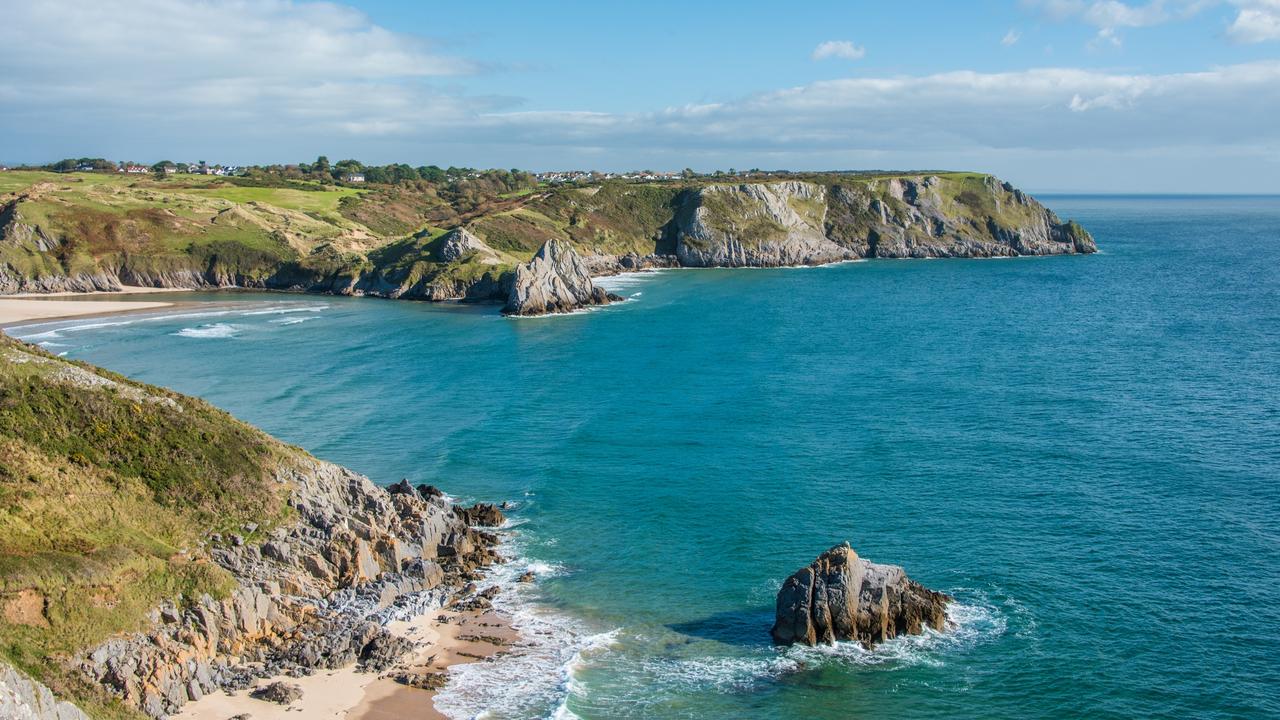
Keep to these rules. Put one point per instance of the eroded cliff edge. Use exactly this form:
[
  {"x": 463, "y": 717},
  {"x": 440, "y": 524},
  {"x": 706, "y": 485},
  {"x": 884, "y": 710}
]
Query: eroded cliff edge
[
  {"x": 48, "y": 243},
  {"x": 156, "y": 550}
]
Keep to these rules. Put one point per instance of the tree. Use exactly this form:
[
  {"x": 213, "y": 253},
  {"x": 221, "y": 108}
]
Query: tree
[
  {"x": 432, "y": 173},
  {"x": 688, "y": 173}
]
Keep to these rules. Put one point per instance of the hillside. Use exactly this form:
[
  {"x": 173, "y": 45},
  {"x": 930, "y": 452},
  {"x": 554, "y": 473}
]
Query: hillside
[
  {"x": 85, "y": 231},
  {"x": 151, "y": 544}
]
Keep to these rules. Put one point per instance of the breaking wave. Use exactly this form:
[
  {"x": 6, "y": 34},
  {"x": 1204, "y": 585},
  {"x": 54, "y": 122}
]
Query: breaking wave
[{"x": 213, "y": 330}]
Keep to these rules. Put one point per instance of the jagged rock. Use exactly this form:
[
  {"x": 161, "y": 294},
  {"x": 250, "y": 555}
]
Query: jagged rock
[
  {"x": 22, "y": 698},
  {"x": 423, "y": 680},
  {"x": 482, "y": 515},
  {"x": 430, "y": 492},
  {"x": 556, "y": 280},
  {"x": 401, "y": 488},
  {"x": 527, "y": 577},
  {"x": 459, "y": 244},
  {"x": 840, "y": 596},
  {"x": 314, "y": 595},
  {"x": 279, "y": 692}
]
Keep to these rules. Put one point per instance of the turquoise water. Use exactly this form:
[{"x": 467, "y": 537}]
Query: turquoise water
[{"x": 1085, "y": 451}]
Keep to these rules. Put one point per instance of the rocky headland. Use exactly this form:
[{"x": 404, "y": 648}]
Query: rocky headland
[
  {"x": 179, "y": 553},
  {"x": 529, "y": 253},
  {"x": 841, "y": 596}
]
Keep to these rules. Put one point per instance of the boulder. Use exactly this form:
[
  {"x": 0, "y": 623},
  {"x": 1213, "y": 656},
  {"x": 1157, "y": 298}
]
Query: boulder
[
  {"x": 279, "y": 692},
  {"x": 481, "y": 515},
  {"x": 841, "y": 596},
  {"x": 556, "y": 280}
]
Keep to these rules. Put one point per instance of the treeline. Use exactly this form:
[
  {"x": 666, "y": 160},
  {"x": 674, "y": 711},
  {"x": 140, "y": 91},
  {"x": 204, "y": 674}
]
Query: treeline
[{"x": 398, "y": 173}]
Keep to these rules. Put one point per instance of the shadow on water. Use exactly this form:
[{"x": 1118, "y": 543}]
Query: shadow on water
[{"x": 743, "y": 628}]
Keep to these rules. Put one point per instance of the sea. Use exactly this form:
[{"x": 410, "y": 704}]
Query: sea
[{"x": 1083, "y": 450}]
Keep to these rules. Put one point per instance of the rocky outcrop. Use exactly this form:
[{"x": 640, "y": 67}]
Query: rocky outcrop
[
  {"x": 22, "y": 698},
  {"x": 756, "y": 225},
  {"x": 460, "y": 244},
  {"x": 313, "y": 595},
  {"x": 840, "y": 596},
  {"x": 804, "y": 223},
  {"x": 555, "y": 281}
]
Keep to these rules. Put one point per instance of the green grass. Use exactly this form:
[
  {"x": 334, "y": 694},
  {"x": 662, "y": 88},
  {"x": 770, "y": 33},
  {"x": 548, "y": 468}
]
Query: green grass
[
  {"x": 105, "y": 495},
  {"x": 322, "y": 201}
]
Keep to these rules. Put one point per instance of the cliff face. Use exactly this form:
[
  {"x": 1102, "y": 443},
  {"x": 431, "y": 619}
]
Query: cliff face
[
  {"x": 799, "y": 223},
  {"x": 756, "y": 225},
  {"x": 159, "y": 550}
]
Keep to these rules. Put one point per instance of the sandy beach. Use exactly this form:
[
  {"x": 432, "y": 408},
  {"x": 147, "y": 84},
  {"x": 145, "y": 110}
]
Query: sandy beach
[
  {"x": 24, "y": 307},
  {"x": 445, "y": 638}
]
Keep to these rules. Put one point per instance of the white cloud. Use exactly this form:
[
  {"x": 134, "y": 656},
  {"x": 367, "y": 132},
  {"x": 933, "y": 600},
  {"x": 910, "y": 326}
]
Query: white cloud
[
  {"x": 1011, "y": 37},
  {"x": 1257, "y": 21},
  {"x": 276, "y": 81},
  {"x": 1110, "y": 16},
  {"x": 273, "y": 61},
  {"x": 842, "y": 49}
]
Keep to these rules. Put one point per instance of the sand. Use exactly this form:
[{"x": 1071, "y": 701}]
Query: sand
[
  {"x": 24, "y": 307},
  {"x": 445, "y": 638},
  {"x": 17, "y": 310}
]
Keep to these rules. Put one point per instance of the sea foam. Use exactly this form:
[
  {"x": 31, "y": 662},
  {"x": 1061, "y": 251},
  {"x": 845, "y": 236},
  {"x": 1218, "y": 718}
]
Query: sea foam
[{"x": 214, "y": 330}]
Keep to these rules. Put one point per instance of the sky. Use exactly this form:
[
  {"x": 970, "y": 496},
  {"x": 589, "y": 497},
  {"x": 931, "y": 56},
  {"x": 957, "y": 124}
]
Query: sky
[{"x": 1053, "y": 95}]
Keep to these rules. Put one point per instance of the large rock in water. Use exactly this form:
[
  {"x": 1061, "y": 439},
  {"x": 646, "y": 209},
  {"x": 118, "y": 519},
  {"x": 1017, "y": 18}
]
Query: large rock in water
[
  {"x": 554, "y": 281},
  {"x": 843, "y": 597}
]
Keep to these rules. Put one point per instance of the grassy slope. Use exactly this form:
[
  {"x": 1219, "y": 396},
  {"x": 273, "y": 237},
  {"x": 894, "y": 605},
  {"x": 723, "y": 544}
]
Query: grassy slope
[
  {"x": 174, "y": 223},
  {"x": 106, "y": 492}
]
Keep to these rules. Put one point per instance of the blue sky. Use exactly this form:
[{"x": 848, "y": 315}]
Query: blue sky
[{"x": 1075, "y": 95}]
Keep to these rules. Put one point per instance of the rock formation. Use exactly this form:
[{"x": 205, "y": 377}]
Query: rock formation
[
  {"x": 555, "y": 281},
  {"x": 22, "y": 698},
  {"x": 840, "y": 596},
  {"x": 757, "y": 225},
  {"x": 313, "y": 595},
  {"x": 460, "y": 244},
  {"x": 804, "y": 223}
]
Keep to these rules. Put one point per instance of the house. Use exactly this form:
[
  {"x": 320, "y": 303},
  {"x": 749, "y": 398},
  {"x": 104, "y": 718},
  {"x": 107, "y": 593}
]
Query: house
[
  {"x": 137, "y": 169},
  {"x": 353, "y": 177},
  {"x": 4, "y": 168},
  {"x": 170, "y": 169}
]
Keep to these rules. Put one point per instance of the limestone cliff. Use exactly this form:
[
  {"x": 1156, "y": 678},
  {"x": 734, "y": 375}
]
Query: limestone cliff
[
  {"x": 555, "y": 281},
  {"x": 802, "y": 223},
  {"x": 756, "y": 225},
  {"x": 841, "y": 596}
]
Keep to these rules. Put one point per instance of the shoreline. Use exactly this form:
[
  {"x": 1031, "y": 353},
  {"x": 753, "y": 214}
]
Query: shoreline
[
  {"x": 444, "y": 638},
  {"x": 19, "y": 311},
  {"x": 22, "y": 308}
]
